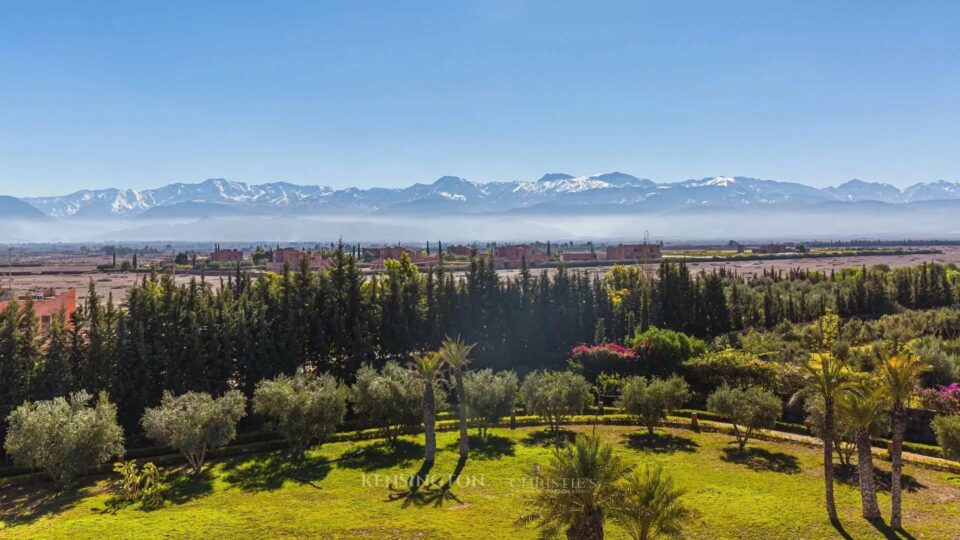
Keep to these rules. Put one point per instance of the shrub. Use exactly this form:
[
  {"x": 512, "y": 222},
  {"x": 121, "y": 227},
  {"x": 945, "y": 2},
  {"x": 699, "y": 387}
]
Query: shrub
[
  {"x": 749, "y": 409},
  {"x": 136, "y": 484},
  {"x": 947, "y": 429},
  {"x": 592, "y": 360},
  {"x": 652, "y": 400},
  {"x": 490, "y": 396},
  {"x": 387, "y": 399},
  {"x": 64, "y": 437},
  {"x": 305, "y": 408},
  {"x": 554, "y": 395},
  {"x": 663, "y": 351},
  {"x": 735, "y": 368},
  {"x": 194, "y": 422},
  {"x": 944, "y": 367},
  {"x": 649, "y": 506},
  {"x": 945, "y": 400}
]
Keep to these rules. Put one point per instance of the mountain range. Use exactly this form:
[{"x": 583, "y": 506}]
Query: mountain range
[{"x": 553, "y": 193}]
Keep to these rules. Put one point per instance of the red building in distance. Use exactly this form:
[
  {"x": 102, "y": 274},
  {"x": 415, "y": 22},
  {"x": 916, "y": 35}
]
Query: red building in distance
[{"x": 47, "y": 303}]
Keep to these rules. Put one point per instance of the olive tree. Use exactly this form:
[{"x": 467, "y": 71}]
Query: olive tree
[
  {"x": 652, "y": 400},
  {"x": 554, "y": 395},
  {"x": 490, "y": 396},
  {"x": 947, "y": 429},
  {"x": 387, "y": 399},
  {"x": 305, "y": 408},
  {"x": 194, "y": 422},
  {"x": 65, "y": 437},
  {"x": 747, "y": 409}
]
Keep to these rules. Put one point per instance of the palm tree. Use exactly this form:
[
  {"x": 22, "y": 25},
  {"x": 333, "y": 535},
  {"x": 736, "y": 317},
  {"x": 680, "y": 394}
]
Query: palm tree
[
  {"x": 426, "y": 368},
  {"x": 899, "y": 374},
  {"x": 826, "y": 379},
  {"x": 575, "y": 488},
  {"x": 456, "y": 354},
  {"x": 649, "y": 505},
  {"x": 864, "y": 406}
]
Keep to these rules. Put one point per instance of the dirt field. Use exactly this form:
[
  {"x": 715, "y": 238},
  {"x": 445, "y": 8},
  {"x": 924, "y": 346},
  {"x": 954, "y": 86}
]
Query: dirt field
[{"x": 951, "y": 254}]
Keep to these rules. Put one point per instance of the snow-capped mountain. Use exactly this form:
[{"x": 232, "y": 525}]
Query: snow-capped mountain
[
  {"x": 128, "y": 202},
  {"x": 553, "y": 192},
  {"x": 858, "y": 190}
]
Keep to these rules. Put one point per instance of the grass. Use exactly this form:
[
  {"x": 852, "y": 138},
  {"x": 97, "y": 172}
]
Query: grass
[{"x": 358, "y": 490}]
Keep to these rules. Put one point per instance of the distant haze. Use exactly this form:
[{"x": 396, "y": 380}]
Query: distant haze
[{"x": 611, "y": 206}]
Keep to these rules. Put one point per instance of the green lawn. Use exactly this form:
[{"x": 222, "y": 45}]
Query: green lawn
[{"x": 775, "y": 491}]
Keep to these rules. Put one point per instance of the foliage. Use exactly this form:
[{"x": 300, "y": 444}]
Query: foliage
[
  {"x": 554, "y": 395},
  {"x": 747, "y": 409},
  {"x": 649, "y": 505},
  {"x": 386, "y": 399},
  {"x": 194, "y": 422},
  {"x": 592, "y": 360},
  {"x": 652, "y": 400},
  {"x": 944, "y": 367},
  {"x": 145, "y": 485},
  {"x": 947, "y": 429},
  {"x": 490, "y": 396},
  {"x": 575, "y": 488},
  {"x": 740, "y": 369},
  {"x": 306, "y": 408},
  {"x": 65, "y": 436},
  {"x": 662, "y": 351},
  {"x": 844, "y": 431},
  {"x": 944, "y": 400}
]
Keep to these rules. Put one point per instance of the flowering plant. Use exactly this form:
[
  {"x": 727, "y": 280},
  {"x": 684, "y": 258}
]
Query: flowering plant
[
  {"x": 945, "y": 399},
  {"x": 584, "y": 352}
]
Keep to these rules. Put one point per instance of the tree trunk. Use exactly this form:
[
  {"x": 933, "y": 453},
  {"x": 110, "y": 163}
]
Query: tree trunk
[
  {"x": 828, "y": 429},
  {"x": 896, "y": 467},
  {"x": 589, "y": 528},
  {"x": 429, "y": 424},
  {"x": 868, "y": 485},
  {"x": 462, "y": 398}
]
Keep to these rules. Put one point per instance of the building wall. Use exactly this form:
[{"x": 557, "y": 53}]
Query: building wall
[
  {"x": 50, "y": 304},
  {"x": 635, "y": 252},
  {"x": 227, "y": 255}
]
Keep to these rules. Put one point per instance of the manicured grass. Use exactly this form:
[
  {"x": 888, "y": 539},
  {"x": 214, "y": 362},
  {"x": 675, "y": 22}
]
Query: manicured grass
[{"x": 773, "y": 491}]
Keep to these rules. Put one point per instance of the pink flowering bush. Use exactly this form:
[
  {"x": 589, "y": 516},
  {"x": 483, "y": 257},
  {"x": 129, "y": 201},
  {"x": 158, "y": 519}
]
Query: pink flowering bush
[
  {"x": 592, "y": 360},
  {"x": 945, "y": 399}
]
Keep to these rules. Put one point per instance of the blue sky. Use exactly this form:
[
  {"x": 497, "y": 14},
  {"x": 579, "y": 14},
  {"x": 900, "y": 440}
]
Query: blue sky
[{"x": 140, "y": 94}]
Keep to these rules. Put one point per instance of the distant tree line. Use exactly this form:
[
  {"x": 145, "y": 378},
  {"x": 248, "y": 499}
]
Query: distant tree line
[{"x": 201, "y": 338}]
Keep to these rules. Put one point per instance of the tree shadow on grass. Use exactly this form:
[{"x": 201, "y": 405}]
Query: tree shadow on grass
[
  {"x": 380, "y": 456},
  {"x": 889, "y": 532},
  {"x": 187, "y": 486},
  {"x": 546, "y": 437},
  {"x": 433, "y": 493},
  {"x": 660, "y": 443},
  {"x": 20, "y": 505},
  {"x": 269, "y": 472},
  {"x": 489, "y": 447},
  {"x": 761, "y": 459},
  {"x": 847, "y": 474}
]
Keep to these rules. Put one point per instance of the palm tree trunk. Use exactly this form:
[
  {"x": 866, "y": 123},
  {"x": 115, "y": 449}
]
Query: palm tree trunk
[
  {"x": 868, "y": 486},
  {"x": 896, "y": 468},
  {"x": 429, "y": 424},
  {"x": 828, "y": 429},
  {"x": 462, "y": 398},
  {"x": 589, "y": 528}
]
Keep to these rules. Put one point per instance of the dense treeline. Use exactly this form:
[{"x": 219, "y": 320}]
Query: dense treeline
[{"x": 198, "y": 337}]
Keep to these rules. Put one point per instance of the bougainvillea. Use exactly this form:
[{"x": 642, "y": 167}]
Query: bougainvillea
[
  {"x": 592, "y": 360},
  {"x": 944, "y": 400}
]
